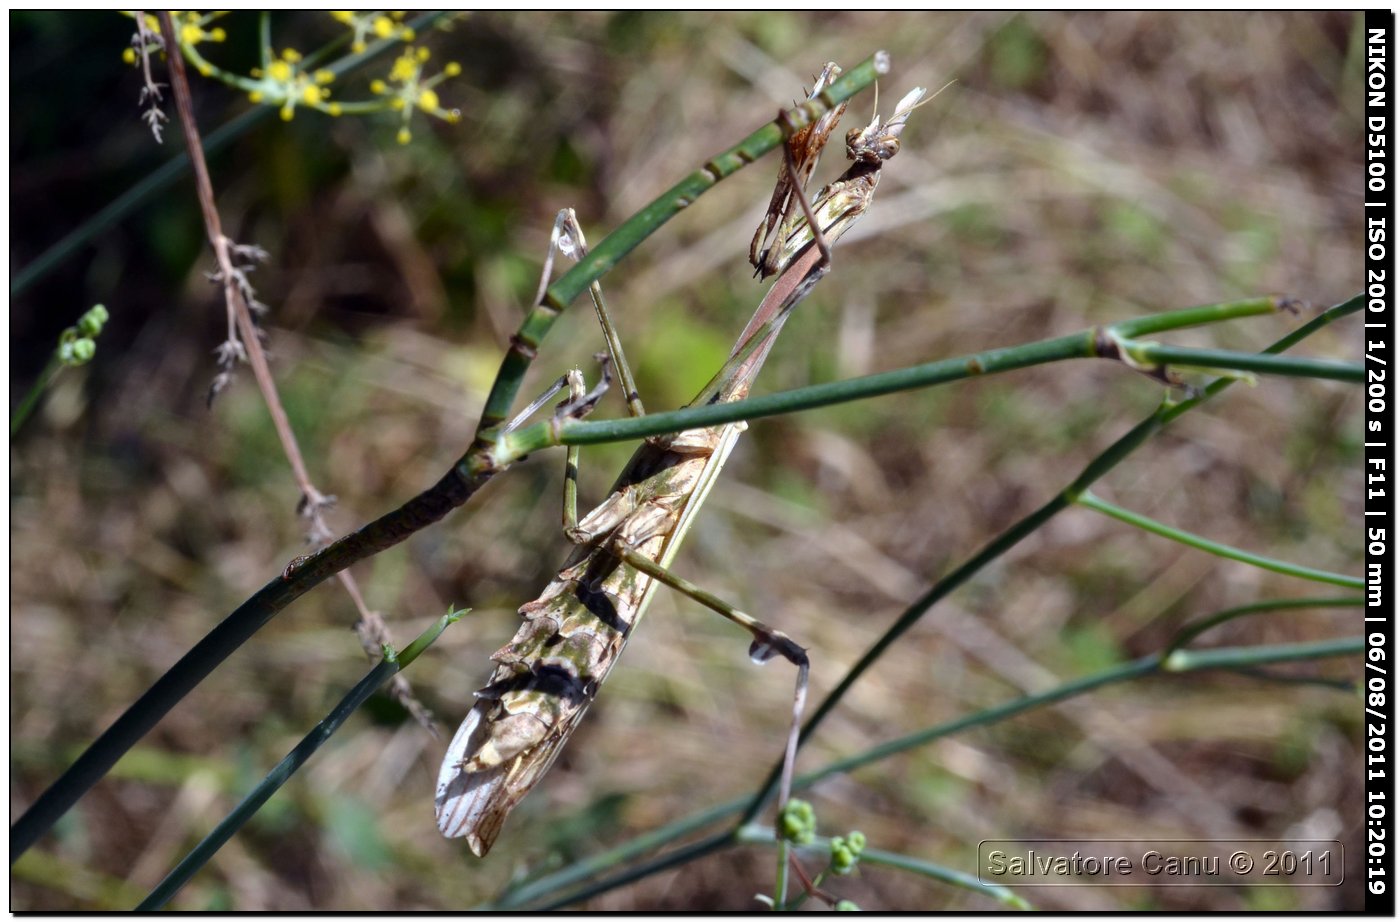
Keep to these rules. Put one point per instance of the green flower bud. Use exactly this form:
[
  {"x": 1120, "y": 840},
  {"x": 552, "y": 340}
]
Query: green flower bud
[
  {"x": 91, "y": 323},
  {"x": 847, "y": 906},
  {"x": 798, "y": 822},
  {"x": 83, "y": 350}
]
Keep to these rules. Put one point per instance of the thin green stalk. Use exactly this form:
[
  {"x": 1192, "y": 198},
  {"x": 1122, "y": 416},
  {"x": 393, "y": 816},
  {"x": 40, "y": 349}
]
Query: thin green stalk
[
  {"x": 1200, "y": 315},
  {"x": 1085, "y": 344},
  {"x": 265, "y": 39},
  {"x": 780, "y": 885},
  {"x": 1153, "y": 664},
  {"x": 1263, "y": 675},
  {"x": 547, "y": 434},
  {"x": 1003, "y": 895},
  {"x": 36, "y": 390},
  {"x": 1090, "y": 501},
  {"x": 1246, "y": 657},
  {"x": 384, "y": 670},
  {"x": 1328, "y": 369},
  {"x": 1195, "y": 629},
  {"x": 1113, "y": 675},
  {"x": 1326, "y": 318}
]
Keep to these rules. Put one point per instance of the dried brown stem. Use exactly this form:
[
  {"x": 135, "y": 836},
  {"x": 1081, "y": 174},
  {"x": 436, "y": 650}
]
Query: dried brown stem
[
  {"x": 244, "y": 342},
  {"x": 150, "y": 93}
]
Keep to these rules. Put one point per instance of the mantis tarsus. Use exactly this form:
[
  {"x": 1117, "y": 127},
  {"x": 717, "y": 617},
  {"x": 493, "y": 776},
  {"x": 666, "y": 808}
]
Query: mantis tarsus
[{"x": 574, "y": 632}]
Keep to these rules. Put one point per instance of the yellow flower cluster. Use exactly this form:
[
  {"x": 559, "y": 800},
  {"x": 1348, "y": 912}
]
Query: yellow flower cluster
[
  {"x": 375, "y": 23},
  {"x": 285, "y": 84},
  {"x": 411, "y": 90}
]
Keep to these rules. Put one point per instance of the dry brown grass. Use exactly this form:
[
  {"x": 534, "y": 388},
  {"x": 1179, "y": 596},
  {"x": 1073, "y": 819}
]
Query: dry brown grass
[{"x": 1084, "y": 168}]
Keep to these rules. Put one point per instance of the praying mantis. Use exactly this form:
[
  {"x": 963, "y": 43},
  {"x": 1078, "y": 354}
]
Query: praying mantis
[{"x": 574, "y": 632}]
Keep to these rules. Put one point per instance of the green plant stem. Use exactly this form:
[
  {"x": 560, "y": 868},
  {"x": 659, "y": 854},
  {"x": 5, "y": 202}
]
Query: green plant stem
[
  {"x": 1003, "y": 895},
  {"x": 1200, "y": 315},
  {"x": 1181, "y": 661},
  {"x": 199, "y": 856},
  {"x": 36, "y": 390},
  {"x": 1195, "y": 629},
  {"x": 1160, "y": 354},
  {"x": 265, "y": 39},
  {"x": 1085, "y": 344},
  {"x": 1090, "y": 501},
  {"x": 1246, "y": 657},
  {"x": 780, "y": 886},
  {"x": 584, "y": 432}
]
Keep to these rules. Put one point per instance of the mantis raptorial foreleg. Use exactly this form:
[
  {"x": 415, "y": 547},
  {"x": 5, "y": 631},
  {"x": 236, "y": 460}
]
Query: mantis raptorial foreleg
[
  {"x": 567, "y": 238},
  {"x": 581, "y": 400}
]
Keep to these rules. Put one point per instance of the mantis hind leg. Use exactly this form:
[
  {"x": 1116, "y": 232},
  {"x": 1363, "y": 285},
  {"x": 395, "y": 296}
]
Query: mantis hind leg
[{"x": 768, "y": 643}]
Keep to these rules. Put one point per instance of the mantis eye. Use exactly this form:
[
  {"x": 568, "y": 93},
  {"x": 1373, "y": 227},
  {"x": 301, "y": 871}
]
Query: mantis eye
[{"x": 853, "y": 144}]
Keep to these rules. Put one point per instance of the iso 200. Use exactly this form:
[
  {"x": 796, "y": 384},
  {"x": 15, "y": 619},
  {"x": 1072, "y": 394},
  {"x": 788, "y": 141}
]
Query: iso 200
[{"x": 1289, "y": 863}]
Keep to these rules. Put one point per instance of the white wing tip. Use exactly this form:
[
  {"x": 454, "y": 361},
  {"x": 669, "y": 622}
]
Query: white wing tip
[{"x": 463, "y": 803}]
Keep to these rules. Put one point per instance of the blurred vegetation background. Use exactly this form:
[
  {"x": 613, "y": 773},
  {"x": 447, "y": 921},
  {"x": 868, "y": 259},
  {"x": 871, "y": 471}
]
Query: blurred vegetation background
[{"x": 1084, "y": 168}]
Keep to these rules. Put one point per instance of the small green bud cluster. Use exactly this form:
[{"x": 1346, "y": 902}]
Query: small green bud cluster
[
  {"x": 845, "y": 852},
  {"x": 797, "y": 825},
  {"x": 798, "y": 822},
  {"x": 76, "y": 345}
]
